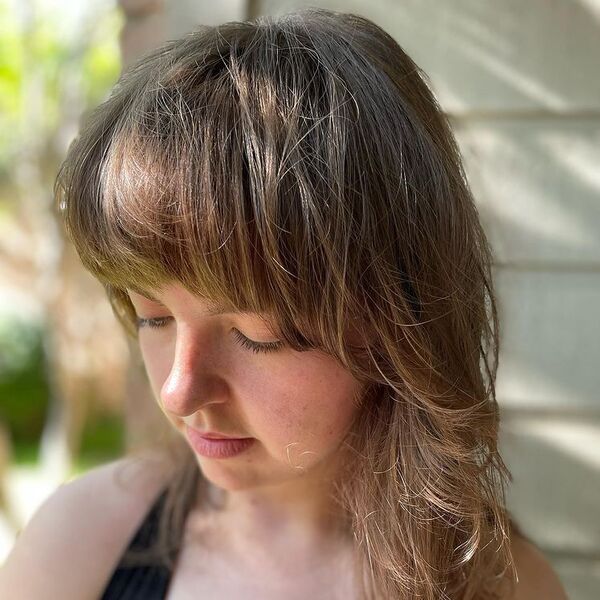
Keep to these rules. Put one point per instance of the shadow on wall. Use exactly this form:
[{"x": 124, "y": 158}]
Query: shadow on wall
[
  {"x": 490, "y": 55},
  {"x": 555, "y": 494},
  {"x": 537, "y": 185},
  {"x": 556, "y": 488}
]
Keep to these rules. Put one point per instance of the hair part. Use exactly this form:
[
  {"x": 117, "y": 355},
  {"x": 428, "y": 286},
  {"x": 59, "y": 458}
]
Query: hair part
[{"x": 300, "y": 165}]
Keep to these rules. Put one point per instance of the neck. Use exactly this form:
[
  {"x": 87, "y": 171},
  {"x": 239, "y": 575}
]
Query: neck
[{"x": 292, "y": 527}]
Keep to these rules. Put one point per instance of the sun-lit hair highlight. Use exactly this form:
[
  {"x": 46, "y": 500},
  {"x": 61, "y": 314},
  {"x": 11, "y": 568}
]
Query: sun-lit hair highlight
[{"x": 300, "y": 165}]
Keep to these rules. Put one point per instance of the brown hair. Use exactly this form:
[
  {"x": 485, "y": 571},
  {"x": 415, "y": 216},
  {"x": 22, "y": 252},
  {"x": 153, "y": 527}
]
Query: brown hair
[{"x": 300, "y": 165}]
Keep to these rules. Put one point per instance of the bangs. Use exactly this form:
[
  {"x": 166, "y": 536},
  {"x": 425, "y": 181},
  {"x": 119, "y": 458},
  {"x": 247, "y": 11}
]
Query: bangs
[
  {"x": 173, "y": 211},
  {"x": 300, "y": 167},
  {"x": 233, "y": 161},
  {"x": 211, "y": 180}
]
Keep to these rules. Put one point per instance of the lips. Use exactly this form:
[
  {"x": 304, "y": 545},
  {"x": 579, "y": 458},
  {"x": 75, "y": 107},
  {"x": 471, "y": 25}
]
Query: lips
[
  {"x": 211, "y": 435},
  {"x": 217, "y": 448}
]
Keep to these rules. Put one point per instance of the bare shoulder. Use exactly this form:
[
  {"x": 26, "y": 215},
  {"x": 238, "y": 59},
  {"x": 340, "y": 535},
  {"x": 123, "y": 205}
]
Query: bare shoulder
[
  {"x": 536, "y": 577},
  {"x": 73, "y": 541}
]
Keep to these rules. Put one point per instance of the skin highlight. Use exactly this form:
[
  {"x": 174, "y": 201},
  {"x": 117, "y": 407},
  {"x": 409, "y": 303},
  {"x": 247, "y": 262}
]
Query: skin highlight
[
  {"x": 301, "y": 165},
  {"x": 297, "y": 406}
]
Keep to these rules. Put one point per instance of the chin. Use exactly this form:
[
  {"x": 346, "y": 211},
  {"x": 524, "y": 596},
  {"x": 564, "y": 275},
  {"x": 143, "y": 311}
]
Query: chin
[
  {"x": 226, "y": 476},
  {"x": 241, "y": 477}
]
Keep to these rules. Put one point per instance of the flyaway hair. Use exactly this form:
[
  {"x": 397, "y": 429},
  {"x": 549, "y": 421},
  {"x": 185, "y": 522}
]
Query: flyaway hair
[{"x": 301, "y": 166}]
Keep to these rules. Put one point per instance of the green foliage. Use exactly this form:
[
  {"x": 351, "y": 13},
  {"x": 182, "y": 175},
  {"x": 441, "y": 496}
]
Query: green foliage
[
  {"x": 25, "y": 453},
  {"x": 11, "y": 63},
  {"x": 11, "y": 70},
  {"x": 23, "y": 386},
  {"x": 24, "y": 397},
  {"x": 55, "y": 59},
  {"x": 53, "y": 67},
  {"x": 103, "y": 440},
  {"x": 101, "y": 61}
]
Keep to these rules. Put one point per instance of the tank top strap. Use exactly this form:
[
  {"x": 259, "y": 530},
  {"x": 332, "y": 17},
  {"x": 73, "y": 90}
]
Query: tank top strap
[{"x": 141, "y": 582}]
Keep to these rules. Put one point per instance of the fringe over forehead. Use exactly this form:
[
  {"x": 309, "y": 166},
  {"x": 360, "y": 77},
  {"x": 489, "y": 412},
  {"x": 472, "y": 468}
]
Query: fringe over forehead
[
  {"x": 300, "y": 166},
  {"x": 266, "y": 165}
]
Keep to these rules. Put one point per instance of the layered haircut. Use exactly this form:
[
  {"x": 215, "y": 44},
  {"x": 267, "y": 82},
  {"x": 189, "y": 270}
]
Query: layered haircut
[{"x": 301, "y": 166}]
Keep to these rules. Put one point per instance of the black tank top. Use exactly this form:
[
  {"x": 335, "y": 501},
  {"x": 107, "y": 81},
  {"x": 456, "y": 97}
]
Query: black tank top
[{"x": 143, "y": 582}]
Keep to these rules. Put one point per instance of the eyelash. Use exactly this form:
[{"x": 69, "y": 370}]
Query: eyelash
[
  {"x": 241, "y": 338},
  {"x": 256, "y": 346}
]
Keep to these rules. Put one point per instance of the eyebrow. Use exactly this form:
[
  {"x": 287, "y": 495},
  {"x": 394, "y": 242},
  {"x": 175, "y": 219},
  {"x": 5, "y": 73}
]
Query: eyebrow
[{"x": 214, "y": 309}]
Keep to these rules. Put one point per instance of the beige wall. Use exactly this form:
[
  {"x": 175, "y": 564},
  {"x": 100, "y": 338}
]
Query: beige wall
[{"x": 520, "y": 83}]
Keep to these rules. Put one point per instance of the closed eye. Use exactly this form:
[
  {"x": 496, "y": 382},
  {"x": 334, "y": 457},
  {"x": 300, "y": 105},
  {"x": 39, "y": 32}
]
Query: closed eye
[
  {"x": 244, "y": 341},
  {"x": 156, "y": 322},
  {"x": 256, "y": 346}
]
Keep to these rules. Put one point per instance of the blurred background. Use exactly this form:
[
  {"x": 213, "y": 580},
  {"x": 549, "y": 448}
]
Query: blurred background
[{"x": 519, "y": 82}]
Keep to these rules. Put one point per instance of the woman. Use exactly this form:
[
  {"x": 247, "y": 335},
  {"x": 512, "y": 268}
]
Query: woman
[{"x": 278, "y": 212}]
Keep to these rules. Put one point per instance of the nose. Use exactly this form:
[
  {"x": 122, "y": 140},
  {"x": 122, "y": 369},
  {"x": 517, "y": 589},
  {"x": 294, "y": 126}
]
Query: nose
[{"x": 194, "y": 380}]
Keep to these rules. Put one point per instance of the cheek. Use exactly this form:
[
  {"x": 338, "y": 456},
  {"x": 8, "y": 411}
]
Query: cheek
[{"x": 310, "y": 403}]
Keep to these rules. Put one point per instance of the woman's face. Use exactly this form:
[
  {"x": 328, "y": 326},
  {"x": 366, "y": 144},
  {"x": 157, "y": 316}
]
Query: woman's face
[{"x": 297, "y": 406}]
